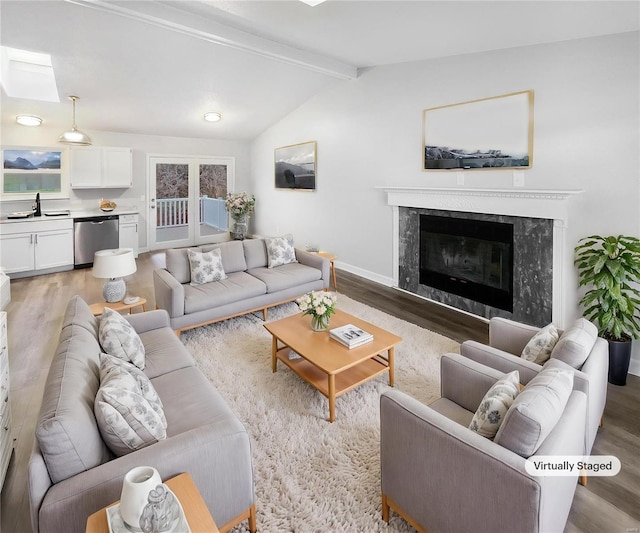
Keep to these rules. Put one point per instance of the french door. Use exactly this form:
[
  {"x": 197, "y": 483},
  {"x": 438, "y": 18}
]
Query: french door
[{"x": 186, "y": 200}]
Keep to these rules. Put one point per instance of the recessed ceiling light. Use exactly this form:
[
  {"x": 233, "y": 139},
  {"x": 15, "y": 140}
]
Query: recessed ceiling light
[
  {"x": 212, "y": 117},
  {"x": 312, "y": 3},
  {"x": 28, "y": 120}
]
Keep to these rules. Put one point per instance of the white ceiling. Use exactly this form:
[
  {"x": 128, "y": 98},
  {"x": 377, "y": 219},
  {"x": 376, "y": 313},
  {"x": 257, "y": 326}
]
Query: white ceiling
[{"x": 155, "y": 67}]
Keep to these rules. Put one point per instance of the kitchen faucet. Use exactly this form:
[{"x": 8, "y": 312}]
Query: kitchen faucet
[{"x": 35, "y": 207}]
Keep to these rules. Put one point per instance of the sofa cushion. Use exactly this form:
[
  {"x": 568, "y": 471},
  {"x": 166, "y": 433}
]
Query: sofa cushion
[
  {"x": 575, "y": 344},
  {"x": 232, "y": 255},
  {"x": 255, "y": 253},
  {"x": 494, "y": 405},
  {"x": 177, "y": 263},
  {"x": 67, "y": 432},
  {"x": 535, "y": 411},
  {"x": 238, "y": 286},
  {"x": 286, "y": 276},
  {"x": 539, "y": 348},
  {"x": 79, "y": 314},
  {"x": 127, "y": 421},
  {"x": 117, "y": 337},
  {"x": 164, "y": 352},
  {"x": 280, "y": 251},
  {"x": 206, "y": 267}
]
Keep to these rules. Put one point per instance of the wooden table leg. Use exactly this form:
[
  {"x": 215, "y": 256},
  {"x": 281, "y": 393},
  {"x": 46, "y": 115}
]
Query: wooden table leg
[
  {"x": 274, "y": 351},
  {"x": 333, "y": 274},
  {"x": 391, "y": 371},
  {"x": 332, "y": 397}
]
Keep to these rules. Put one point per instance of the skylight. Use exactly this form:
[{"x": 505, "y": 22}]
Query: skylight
[{"x": 28, "y": 75}]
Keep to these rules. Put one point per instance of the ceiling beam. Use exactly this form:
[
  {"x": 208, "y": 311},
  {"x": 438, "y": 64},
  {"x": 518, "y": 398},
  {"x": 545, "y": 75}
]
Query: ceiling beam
[{"x": 214, "y": 31}]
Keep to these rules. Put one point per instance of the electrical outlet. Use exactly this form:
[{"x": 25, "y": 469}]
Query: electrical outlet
[{"x": 518, "y": 178}]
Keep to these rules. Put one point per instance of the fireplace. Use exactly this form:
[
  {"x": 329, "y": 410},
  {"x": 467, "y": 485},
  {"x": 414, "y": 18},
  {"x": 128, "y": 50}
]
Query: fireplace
[{"x": 469, "y": 258}]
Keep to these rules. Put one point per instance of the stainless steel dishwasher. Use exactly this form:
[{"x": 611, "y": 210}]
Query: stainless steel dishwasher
[{"x": 91, "y": 234}]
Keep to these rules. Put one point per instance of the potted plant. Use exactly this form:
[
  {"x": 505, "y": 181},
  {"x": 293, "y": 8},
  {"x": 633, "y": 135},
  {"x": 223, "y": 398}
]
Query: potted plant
[{"x": 610, "y": 266}]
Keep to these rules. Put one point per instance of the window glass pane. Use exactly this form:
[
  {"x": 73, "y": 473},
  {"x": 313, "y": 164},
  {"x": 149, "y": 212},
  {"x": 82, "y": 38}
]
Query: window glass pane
[
  {"x": 17, "y": 182},
  {"x": 172, "y": 202},
  {"x": 213, "y": 191}
]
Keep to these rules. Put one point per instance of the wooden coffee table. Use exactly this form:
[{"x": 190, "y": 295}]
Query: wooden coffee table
[{"x": 324, "y": 363}]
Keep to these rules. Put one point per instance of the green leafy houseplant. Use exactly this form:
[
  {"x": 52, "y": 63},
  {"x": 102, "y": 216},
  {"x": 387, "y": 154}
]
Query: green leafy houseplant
[{"x": 611, "y": 267}]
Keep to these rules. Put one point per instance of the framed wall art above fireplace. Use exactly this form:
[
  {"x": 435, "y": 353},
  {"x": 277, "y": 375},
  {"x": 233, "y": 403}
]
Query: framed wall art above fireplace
[{"x": 489, "y": 133}]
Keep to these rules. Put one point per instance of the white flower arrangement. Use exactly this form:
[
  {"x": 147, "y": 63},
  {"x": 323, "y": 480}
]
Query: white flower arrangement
[
  {"x": 318, "y": 304},
  {"x": 240, "y": 204}
]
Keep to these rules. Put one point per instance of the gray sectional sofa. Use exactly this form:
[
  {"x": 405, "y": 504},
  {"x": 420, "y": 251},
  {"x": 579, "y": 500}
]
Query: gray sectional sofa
[
  {"x": 250, "y": 284},
  {"x": 72, "y": 473}
]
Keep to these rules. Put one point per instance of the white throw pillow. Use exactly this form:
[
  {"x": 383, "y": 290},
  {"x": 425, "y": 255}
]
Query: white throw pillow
[
  {"x": 280, "y": 251},
  {"x": 495, "y": 404},
  {"x": 206, "y": 267},
  {"x": 539, "y": 348},
  {"x": 126, "y": 420},
  {"x": 117, "y": 337},
  {"x": 110, "y": 366}
]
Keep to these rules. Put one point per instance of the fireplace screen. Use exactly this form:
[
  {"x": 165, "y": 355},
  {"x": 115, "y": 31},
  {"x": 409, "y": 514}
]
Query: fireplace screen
[{"x": 470, "y": 258}]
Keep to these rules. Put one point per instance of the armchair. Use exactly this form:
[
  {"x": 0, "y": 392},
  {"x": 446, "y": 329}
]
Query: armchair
[
  {"x": 507, "y": 340},
  {"x": 441, "y": 476}
]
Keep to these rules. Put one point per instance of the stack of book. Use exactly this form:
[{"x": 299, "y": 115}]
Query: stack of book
[{"x": 350, "y": 335}]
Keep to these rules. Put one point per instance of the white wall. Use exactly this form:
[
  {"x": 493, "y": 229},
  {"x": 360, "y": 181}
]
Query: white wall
[
  {"x": 369, "y": 132},
  {"x": 14, "y": 135}
]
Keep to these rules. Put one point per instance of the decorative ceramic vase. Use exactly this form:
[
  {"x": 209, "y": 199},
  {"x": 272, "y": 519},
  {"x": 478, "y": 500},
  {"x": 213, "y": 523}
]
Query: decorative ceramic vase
[
  {"x": 319, "y": 323},
  {"x": 240, "y": 227},
  {"x": 137, "y": 485},
  {"x": 161, "y": 513}
]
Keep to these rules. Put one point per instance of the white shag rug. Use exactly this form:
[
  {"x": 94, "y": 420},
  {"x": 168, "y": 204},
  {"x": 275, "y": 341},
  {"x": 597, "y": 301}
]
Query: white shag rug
[{"x": 311, "y": 475}]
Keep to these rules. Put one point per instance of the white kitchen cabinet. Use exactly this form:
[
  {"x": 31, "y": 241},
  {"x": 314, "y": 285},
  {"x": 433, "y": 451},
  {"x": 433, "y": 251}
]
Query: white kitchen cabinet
[
  {"x": 6, "y": 439},
  {"x": 97, "y": 167},
  {"x": 129, "y": 232},
  {"x": 38, "y": 245}
]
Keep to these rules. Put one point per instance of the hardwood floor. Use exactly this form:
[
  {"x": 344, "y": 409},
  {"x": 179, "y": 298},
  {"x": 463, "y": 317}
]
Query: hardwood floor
[{"x": 35, "y": 315}]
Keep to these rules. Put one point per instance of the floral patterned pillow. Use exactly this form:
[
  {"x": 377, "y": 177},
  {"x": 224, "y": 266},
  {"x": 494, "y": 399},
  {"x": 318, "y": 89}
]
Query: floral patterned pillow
[
  {"x": 117, "y": 337},
  {"x": 280, "y": 251},
  {"x": 111, "y": 366},
  {"x": 495, "y": 404},
  {"x": 539, "y": 348},
  {"x": 206, "y": 267},
  {"x": 126, "y": 420}
]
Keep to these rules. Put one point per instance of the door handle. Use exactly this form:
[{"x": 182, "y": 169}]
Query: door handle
[{"x": 100, "y": 222}]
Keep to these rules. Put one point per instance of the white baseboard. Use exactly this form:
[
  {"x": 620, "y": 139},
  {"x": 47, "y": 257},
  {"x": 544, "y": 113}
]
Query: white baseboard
[{"x": 367, "y": 274}]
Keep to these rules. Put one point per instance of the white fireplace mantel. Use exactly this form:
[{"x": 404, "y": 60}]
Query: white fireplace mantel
[
  {"x": 531, "y": 203},
  {"x": 534, "y": 203}
]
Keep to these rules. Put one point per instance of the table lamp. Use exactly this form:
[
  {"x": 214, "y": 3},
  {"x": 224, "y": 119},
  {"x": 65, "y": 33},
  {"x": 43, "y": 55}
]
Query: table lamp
[{"x": 114, "y": 265}]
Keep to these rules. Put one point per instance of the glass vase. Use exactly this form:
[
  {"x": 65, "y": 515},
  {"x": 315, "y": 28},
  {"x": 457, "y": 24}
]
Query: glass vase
[
  {"x": 240, "y": 227},
  {"x": 319, "y": 323}
]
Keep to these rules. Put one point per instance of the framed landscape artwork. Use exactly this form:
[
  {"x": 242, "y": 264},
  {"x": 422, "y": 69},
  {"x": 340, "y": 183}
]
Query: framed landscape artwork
[
  {"x": 295, "y": 166},
  {"x": 490, "y": 133}
]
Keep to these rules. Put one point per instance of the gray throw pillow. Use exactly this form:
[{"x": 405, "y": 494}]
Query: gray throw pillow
[
  {"x": 206, "y": 267},
  {"x": 117, "y": 337},
  {"x": 575, "y": 344},
  {"x": 495, "y": 404},
  {"x": 535, "y": 411},
  {"x": 280, "y": 251}
]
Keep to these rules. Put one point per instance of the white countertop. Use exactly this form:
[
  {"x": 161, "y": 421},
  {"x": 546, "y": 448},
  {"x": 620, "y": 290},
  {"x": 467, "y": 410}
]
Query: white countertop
[{"x": 73, "y": 214}]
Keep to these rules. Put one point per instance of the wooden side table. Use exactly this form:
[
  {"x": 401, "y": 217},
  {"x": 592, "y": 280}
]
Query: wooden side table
[
  {"x": 331, "y": 258},
  {"x": 98, "y": 308},
  {"x": 196, "y": 511}
]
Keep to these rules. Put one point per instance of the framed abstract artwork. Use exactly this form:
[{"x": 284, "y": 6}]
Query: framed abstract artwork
[
  {"x": 489, "y": 133},
  {"x": 295, "y": 166}
]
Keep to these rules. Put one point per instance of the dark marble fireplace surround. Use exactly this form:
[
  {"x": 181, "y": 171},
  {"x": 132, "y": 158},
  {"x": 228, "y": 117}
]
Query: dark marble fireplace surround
[{"x": 532, "y": 265}]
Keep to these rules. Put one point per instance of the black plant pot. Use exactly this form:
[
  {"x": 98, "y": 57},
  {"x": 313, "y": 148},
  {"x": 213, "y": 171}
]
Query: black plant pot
[{"x": 619, "y": 357}]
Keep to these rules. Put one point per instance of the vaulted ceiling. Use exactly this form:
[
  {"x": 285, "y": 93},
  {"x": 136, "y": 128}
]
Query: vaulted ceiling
[{"x": 155, "y": 67}]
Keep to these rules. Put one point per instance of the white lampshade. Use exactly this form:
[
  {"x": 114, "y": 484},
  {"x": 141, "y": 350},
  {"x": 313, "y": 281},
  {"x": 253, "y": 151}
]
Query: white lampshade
[{"x": 114, "y": 264}]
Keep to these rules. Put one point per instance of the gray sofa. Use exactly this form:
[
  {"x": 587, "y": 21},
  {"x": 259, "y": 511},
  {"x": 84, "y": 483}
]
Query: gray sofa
[
  {"x": 72, "y": 473},
  {"x": 250, "y": 286}
]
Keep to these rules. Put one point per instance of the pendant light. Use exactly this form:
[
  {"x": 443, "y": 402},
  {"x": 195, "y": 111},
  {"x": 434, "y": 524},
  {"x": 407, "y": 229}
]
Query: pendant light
[{"x": 74, "y": 136}]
